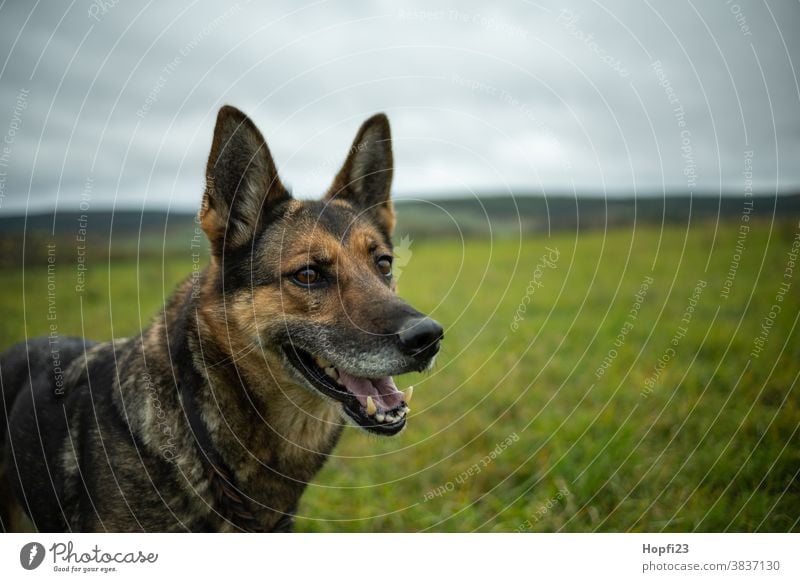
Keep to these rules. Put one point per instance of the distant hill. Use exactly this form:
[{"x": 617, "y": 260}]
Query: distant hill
[
  {"x": 129, "y": 233},
  {"x": 125, "y": 222},
  {"x": 118, "y": 235},
  {"x": 534, "y": 214}
]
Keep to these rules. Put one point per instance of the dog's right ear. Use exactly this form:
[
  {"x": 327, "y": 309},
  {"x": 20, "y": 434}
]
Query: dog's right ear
[{"x": 241, "y": 182}]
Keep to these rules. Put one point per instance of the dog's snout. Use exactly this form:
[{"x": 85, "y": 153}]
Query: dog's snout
[{"x": 420, "y": 337}]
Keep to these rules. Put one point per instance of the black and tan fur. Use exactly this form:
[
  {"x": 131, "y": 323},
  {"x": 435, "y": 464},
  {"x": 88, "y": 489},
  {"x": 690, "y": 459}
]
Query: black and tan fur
[{"x": 113, "y": 447}]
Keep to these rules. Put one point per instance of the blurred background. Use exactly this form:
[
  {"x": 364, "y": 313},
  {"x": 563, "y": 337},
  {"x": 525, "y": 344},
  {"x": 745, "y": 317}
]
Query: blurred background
[{"x": 597, "y": 199}]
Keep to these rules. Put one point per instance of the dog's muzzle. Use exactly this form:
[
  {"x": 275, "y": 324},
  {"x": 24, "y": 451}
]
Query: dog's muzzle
[{"x": 372, "y": 401}]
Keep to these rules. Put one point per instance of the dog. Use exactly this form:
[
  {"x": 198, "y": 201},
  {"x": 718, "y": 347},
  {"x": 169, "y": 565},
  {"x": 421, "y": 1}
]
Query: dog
[{"x": 219, "y": 413}]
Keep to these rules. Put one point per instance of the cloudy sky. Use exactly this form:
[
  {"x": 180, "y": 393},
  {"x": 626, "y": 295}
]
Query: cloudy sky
[{"x": 607, "y": 98}]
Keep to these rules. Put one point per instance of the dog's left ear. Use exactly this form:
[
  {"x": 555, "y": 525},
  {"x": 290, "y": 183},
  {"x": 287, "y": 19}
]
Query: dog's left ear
[
  {"x": 365, "y": 179},
  {"x": 241, "y": 182}
]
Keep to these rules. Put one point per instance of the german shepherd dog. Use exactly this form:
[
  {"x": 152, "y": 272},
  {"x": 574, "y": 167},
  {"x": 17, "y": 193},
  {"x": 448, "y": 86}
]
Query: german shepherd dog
[{"x": 217, "y": 415}]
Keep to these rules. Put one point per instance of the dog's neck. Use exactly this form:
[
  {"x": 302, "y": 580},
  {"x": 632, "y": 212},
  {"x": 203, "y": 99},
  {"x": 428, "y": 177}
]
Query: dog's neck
[
  {"x": 263, "y": 420},
  {"x": 272, "y": 435}
]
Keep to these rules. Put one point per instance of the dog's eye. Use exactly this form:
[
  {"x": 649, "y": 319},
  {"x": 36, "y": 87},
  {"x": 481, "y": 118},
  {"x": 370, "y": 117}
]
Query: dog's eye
[
  {"x": 307, "y": 277},
  {"x": 385, "y": 265}
]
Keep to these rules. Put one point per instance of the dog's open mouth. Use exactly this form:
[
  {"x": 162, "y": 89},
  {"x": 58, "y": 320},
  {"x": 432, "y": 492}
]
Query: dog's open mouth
[{"x": 373, "y": 403}]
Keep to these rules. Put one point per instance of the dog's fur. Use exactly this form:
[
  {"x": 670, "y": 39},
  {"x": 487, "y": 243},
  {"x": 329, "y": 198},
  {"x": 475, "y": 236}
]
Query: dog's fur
[{"x": 205, "y": 421}]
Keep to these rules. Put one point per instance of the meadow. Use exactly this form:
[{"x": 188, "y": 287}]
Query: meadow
[{"x": 635, "y": 379}]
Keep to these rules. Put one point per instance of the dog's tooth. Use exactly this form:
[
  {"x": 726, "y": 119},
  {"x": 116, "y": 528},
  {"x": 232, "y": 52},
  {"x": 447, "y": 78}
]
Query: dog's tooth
[
  {"x": 401, "y": 413},
  {"x": 371, "y": 408},
  {"x": 380, "y": 417},
  {"x": 408, "y": 393},
  {"x": 322, "y": 362},
  {"x": 332, "y": 372}
]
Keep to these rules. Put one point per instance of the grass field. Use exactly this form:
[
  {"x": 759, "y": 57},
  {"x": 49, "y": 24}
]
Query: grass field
[{"x": 598, "y": 405}]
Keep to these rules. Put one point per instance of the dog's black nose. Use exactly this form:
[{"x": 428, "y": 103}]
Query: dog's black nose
[{"x": 420, "y": 337}]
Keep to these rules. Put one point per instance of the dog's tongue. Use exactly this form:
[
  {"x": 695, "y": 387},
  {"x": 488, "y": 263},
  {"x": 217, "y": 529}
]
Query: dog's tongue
[{"x": 383, "y": 391}]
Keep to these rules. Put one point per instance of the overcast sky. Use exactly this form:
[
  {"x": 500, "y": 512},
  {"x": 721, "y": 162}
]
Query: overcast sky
[{"x": 610, "y": 98}]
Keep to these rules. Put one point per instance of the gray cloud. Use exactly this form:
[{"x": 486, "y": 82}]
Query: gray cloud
[{"x": 519, "y": 96}]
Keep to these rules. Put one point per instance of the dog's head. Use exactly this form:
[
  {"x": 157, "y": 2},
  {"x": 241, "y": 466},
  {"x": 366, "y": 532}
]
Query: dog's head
[{"x": 310, "y": 282}]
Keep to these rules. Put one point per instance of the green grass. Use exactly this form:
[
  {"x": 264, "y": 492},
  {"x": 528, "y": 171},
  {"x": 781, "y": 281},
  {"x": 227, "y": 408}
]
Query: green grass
[{"x": 712, "y": 448}]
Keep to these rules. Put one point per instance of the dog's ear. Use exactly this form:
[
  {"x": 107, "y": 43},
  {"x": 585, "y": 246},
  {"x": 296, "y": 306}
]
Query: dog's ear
[
  {"x": 366, "y": 176},
  {"x": 241, "y": 182}
]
